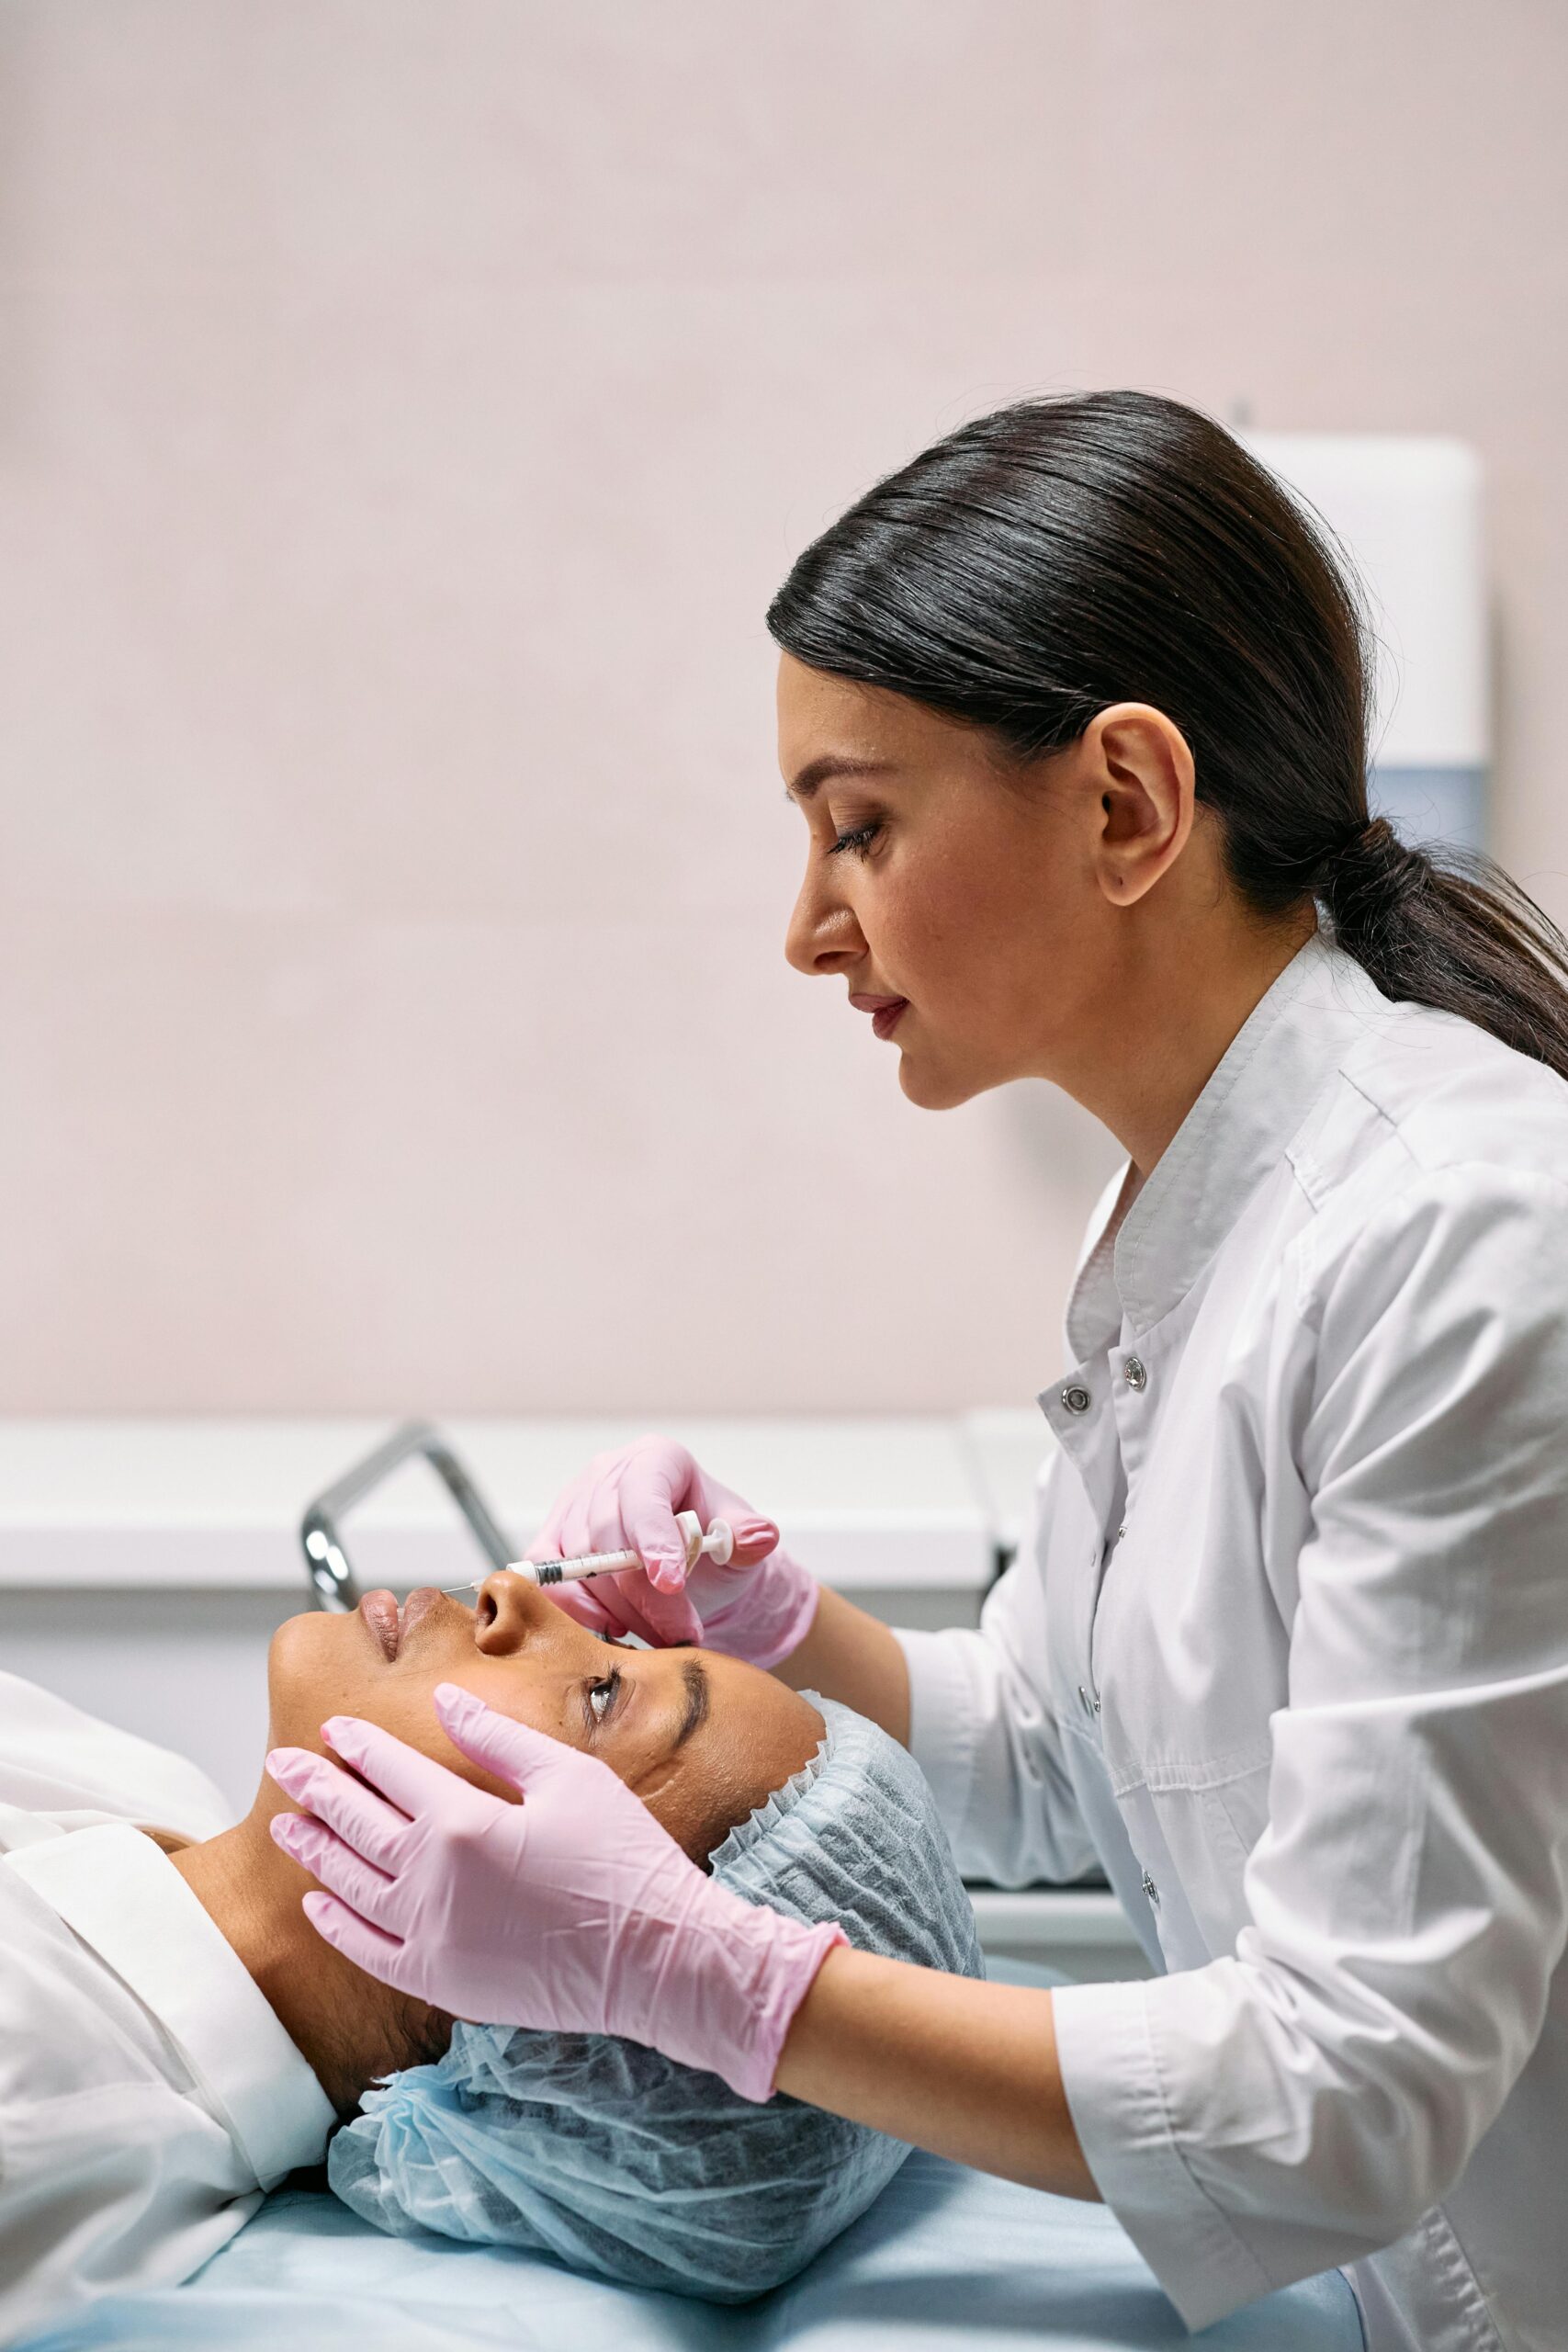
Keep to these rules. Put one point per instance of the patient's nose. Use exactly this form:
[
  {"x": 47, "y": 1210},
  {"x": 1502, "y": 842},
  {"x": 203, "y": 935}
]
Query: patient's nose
[{"x": 511, "y": 1611}]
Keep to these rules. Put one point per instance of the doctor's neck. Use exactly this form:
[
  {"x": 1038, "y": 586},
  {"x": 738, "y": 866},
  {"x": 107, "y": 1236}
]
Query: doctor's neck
[
  {"x": 350, "y": 2029},
  {"x": 1183, "y": 1013}
]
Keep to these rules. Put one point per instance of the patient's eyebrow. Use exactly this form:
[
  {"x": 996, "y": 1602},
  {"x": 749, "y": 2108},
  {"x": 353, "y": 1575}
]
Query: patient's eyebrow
[
  {"x": 699, "y": 1692},
  {"x": 816, "y": 771}
]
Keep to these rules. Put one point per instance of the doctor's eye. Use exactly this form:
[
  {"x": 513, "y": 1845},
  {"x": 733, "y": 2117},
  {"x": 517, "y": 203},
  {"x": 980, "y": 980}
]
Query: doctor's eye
[{"x": 858, "y": 839}]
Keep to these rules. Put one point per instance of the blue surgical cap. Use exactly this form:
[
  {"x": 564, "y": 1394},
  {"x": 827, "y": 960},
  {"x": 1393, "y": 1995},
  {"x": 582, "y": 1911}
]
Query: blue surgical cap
[{"x": 623, "y": 2163}]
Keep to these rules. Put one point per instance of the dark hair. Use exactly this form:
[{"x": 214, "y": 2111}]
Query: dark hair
[{"x": 1062, "y": 555}]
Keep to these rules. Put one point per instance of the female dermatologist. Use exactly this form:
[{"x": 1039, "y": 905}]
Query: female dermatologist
[{"x": 1074, "y": 709}]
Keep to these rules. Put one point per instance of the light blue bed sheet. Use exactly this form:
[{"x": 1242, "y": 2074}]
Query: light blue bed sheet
[{"x": 945, "y": 2257}]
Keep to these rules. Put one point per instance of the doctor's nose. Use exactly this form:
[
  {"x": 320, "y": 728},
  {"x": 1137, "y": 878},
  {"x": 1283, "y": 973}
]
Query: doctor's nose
[
  {"x": 509, "y": 1612},
  {"x": 823, "y": 935}
]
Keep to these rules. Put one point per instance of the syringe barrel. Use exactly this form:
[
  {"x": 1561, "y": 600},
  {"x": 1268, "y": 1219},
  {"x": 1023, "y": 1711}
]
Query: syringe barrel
[{"x": 589, "y": 1563}]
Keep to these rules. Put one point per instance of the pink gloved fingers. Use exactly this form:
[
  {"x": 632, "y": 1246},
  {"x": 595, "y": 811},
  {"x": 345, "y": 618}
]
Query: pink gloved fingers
[
  {"x": 510, "y": 1751},
  {"x": 565, "y": 1531},
  {"x": 591, "y": 1519},
  {"x": 663, "y": 1619},
  {"x": 775, "y": 1622},
  {"x": 323, "y": 1788},
  {"x": 620, "y": 1604},
  {"x": 339, "y": 1868},
  {"x": 549, "y": 1543},
  {"x": 754, "y": 1539},
  {"x": 660, "y": 1478},
  {"x": 587, "y": 1604},
  {"x": 329, "y": 1795},
  {"x": 574, "y": 1911},
  {"x": 378, "y": 1955},
  {"x": 574, "y": 1534},
  {"x": 599, "y": 1514},
  {"x": 294, "y": 1768},
  {"x": 410, "y": 1780},
  {"x": 757, "y": 1606}
]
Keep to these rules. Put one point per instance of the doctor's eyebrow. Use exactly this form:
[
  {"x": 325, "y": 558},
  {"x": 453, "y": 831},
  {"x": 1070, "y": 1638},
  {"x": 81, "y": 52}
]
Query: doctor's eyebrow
[
  {"x": 816, "y": 771},
  {"x": 699, "y": 1694}
]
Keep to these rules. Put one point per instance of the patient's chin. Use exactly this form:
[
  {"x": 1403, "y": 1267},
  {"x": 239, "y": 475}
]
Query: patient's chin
[{"x": 302, "y": 1688}]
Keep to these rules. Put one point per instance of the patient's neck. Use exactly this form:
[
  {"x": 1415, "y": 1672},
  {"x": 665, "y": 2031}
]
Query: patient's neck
[{"x": 348, "y": 2028}]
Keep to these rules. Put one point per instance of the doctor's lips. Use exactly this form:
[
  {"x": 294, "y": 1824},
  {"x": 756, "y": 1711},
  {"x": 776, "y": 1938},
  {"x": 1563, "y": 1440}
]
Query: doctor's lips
[
  {"x": 392, "y": 1625},
  {"x": 886, "y": 1011}
]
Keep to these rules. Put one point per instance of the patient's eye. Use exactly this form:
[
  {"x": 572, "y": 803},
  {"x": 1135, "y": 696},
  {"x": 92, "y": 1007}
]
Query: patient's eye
[{"x": 604, "y": 1694}]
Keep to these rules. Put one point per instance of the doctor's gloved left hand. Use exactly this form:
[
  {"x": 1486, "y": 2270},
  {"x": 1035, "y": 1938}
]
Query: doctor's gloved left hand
[{"x": 574, "y": 1910}]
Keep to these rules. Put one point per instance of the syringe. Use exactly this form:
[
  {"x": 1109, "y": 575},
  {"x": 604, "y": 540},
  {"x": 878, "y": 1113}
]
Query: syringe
[{"x": 717, "y": 1544}]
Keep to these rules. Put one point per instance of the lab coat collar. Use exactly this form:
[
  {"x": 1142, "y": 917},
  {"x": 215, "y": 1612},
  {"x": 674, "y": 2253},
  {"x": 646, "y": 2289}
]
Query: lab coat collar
[
  {"x": 1134, "y": 1269},
  {"x": 123, "y": 1897}
]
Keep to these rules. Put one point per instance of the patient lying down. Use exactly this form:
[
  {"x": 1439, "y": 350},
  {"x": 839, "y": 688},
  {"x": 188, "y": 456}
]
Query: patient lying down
[{"x": 598, "y": 2152}]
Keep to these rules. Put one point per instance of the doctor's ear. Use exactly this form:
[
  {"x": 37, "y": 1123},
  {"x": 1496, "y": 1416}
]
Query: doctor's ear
[{"x": 1139, "y": 765}]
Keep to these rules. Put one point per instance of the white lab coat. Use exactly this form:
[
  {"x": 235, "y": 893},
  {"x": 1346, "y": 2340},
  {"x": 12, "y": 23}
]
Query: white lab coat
[
  {"x": 1288, "y": 1656},
  {"x": 148, "y": 2093}
]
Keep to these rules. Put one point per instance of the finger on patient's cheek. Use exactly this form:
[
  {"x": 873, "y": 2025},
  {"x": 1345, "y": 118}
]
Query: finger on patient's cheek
[
  {"x": 343, "y": 1872},
  {"x": 292, "y": 1768},
  {"x": 344, "y": 1734},
  {"x": 378, "y": 1954},
  {"x": 297, "y": 1832},
  {"x": 286, "y": 1831}
]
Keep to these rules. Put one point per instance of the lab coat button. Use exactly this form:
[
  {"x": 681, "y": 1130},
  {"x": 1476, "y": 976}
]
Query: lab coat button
[
  {"x": 1151, "y": 1889},
  {"x": 1133, "y": 1373},
  {"x": 1076, "y": 1399}
]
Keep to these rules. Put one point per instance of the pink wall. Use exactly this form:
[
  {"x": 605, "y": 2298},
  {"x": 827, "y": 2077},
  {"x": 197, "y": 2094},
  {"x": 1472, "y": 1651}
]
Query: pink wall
[{"x": 406, "y": 408}]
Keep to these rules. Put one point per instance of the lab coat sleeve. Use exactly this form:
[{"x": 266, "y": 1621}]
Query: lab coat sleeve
[
  {"x": 1302, "y": 2102},
  {"x": 984, "y": 1731}
]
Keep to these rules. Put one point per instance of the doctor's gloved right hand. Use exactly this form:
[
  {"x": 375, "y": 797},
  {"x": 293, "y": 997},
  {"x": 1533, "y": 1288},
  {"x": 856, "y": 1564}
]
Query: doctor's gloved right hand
[
  {"x": 759, "y": 1606},
  {"x": 574, "y": 1911}
]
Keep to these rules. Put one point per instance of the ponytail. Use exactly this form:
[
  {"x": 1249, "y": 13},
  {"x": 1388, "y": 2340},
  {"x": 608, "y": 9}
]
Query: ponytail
[
  {"x": 1456, "y": 931},
  {"x": 1062, "y": 555}
]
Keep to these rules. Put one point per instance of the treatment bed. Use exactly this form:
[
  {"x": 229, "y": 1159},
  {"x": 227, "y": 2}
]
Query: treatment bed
[{"x": 947, "y": 2256}]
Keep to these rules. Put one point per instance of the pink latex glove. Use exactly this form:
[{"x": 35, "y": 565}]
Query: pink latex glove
[
  {"x": 759, "y": 1606},
  {"x": 573, "y": 1911}
]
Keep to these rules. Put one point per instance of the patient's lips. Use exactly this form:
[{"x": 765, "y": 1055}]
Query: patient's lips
[{"x": 380, "y": 1611}]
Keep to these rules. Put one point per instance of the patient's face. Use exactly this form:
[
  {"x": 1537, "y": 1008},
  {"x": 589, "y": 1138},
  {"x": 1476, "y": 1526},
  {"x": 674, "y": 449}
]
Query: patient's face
[{"x": 700, "y": 1737}]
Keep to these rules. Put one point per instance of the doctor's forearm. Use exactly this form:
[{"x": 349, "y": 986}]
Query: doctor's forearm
[
  {"x": 968, "y": 2070},
  {"x": 853, "y": 1659}
]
